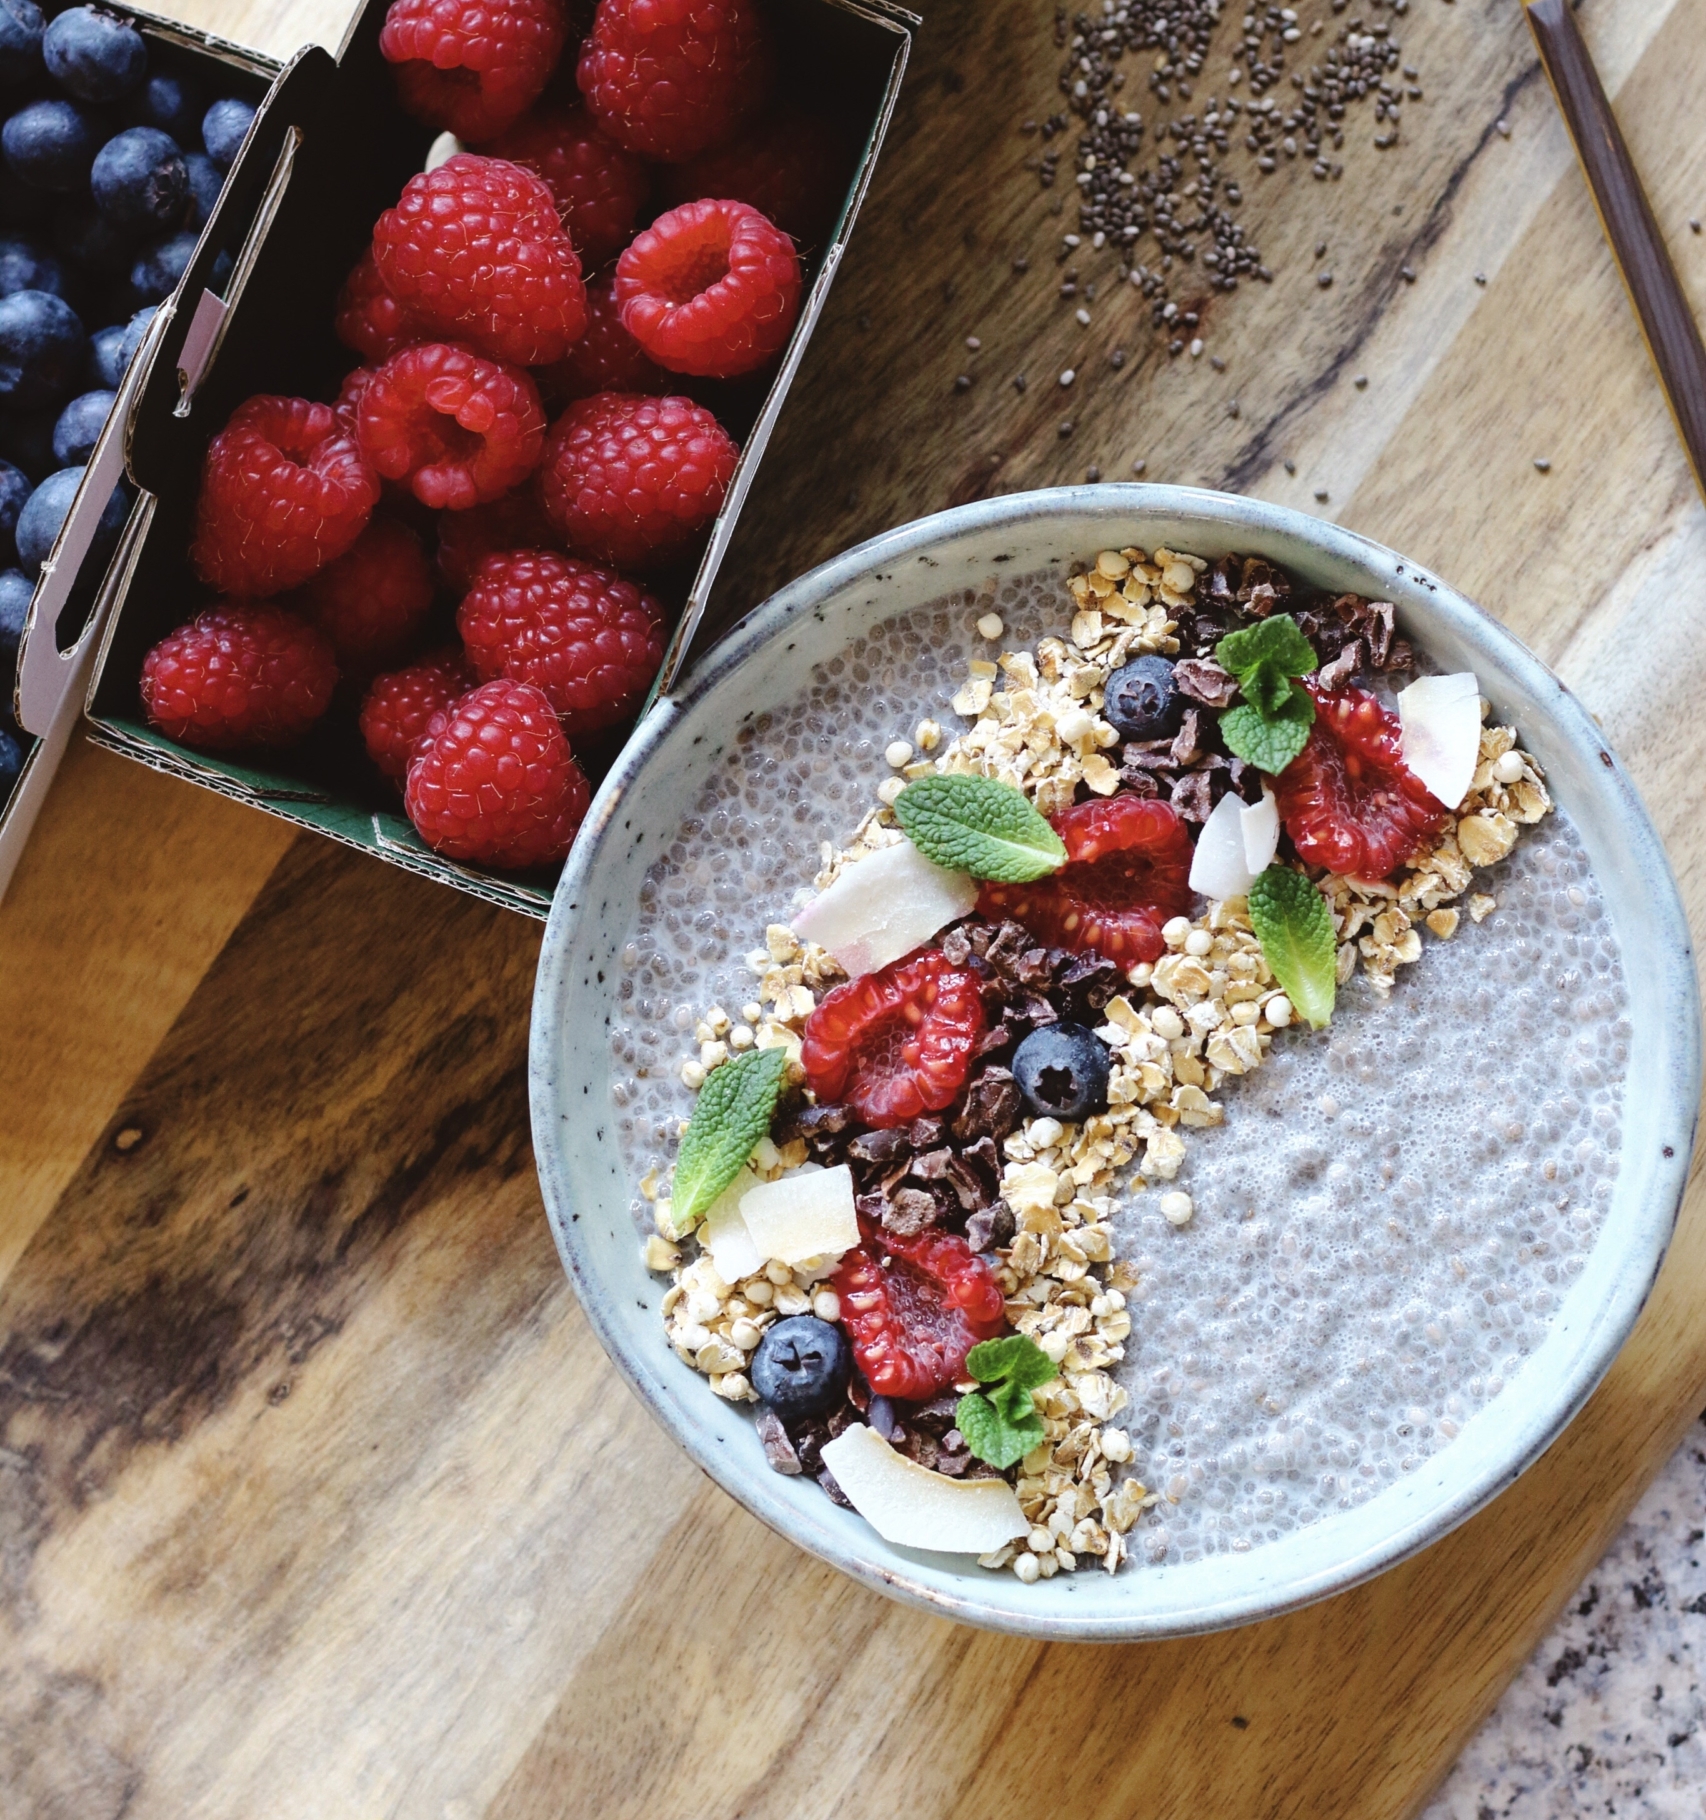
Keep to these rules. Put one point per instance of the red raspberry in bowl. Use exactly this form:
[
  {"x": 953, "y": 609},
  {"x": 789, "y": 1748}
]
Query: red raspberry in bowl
[
  {"x": 914, "y": 1307},
  {"x": 606, "y": 358},
  {"x": 399, "y": 707},
  {"x": 599, "y": 189},
  {"x": 474, "y": 252},
  {"x": 590, "y": 641},
  {"x": 461, "y": 429},
  {"x": 372, "y": 600},
  {"x": 285, "y": 489},
  {"x": 895, "y": 1043},
  {"x": 671, "y": 78},
  {"x": 240, "y": 677},
  {"x": 1127, "y": 872},
  {"x": 711, "y": 288},
  {"x": 474, "y": 66},
  {"x": 1348, "y": 800},
  {"x": 494, "y": 781},
  {"x": 369, "y": 319},
  {"x": 515, "y": 522},
  {"x": 793, "y": 167},
  {"x": 633, "y": 481}
]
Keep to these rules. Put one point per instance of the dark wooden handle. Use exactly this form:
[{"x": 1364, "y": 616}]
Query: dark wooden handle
[{"x": 1667, "y": 323}]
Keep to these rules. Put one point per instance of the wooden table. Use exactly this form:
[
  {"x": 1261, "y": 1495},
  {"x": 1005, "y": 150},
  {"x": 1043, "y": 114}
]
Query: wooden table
[{"x": 316, "y": 1495}]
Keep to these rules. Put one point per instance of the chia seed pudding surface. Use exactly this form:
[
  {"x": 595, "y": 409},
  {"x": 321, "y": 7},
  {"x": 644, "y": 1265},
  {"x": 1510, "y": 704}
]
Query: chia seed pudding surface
[{"x": 1385, "y": 1221}]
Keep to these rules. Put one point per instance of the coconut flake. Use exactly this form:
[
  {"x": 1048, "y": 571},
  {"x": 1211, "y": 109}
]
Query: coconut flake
[
  {"x": 724, "y": 1233},
  {"x": 1261, "y": 829},
  {"x": 1441, "y": 744},
  {"x": 1219, "y": 868},
  {"x": 808, "y": 1213},
  {"x": 884, "y": 906},
  {"x": 912, "y": 1507}
]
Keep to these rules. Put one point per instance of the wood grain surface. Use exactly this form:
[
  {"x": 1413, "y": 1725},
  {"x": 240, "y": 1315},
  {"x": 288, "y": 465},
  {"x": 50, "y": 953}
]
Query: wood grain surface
[{"x": 316, "y": 1495}]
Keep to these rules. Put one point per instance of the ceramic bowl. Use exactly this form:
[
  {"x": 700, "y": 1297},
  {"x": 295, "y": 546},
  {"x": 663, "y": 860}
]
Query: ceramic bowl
[{"x": 769, "y": 657}]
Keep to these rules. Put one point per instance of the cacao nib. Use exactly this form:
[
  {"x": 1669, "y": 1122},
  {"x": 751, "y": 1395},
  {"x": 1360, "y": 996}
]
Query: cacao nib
[
  {"x": 953, "y": 1460},
  {"x": 992, "y": 1227},
  {"x": 835, "y": 1494},
  {"x": 935, "y": 1417},
  {"x": 809, "y": 1120},
  {"x": 1260, "y": 573},
  {"x": 881, "y": 1417},
  {"x": 1186, "y": 741},
  {"x": 1192, "y": 796},
  {"x": 840, "y": 1420},
  {"x": 1333, "y": 676},
  {"x": 778, "y": 1449},
  {"x": 924, "y": 1133},
  {"x": 956, "y": 947},
  {"x": 921, "y": 1448},
  {"x": 1202, "y": 679},
  {"x": 910, "y": 1211},
  {"x": 984, "y": 1159},
  {"x": 871, "y": 1206},
  {"x": 1220, "y": 585},
  {"x": 992, "y": 1106},
  {"x": 1139, "y": 783},
  {"x": 879, "y": 1146},
  {"x": 1382, "y": 624},
  {"x": 808, "y": 1434},
  {"x": 1035, "y": 967},
  {"x": 1009, "y": 942}
]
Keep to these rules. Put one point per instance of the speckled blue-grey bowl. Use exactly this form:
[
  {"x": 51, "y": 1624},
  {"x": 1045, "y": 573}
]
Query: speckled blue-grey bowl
[{"x": 767, "y": 659}]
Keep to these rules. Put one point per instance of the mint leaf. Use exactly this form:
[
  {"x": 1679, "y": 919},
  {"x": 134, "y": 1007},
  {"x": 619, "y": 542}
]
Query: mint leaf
[
  {"x": 733, "y": 1113},
  {"x": 980, "y": 826},
  {"x": 1268, "y": 688},
  {"x": 992, "y": 1436},
  {"x": 1269, "y": 741},
  {"x": 1293, "y": 925},
  {"x": 1013, "y": 1357},
  {"x": 1272, "y": 643}
]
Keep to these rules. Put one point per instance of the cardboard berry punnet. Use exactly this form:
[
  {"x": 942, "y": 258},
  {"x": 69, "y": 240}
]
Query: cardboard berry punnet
[{"x": 329, "y": 150}]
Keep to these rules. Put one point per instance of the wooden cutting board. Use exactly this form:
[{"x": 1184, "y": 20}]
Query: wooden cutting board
[{"x": 316, "y": 1495}]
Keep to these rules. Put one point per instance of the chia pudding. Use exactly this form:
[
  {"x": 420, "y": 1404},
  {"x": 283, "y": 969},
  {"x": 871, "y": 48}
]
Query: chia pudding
[{"x": 1265, "y": 1268}]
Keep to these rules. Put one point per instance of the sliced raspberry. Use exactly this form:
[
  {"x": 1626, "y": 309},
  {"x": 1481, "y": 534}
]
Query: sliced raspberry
[
  {"x": 606, "y": 358},
  {"x": 793, "y": 167},
  {"x": 1348, "y": 800},
  {"x": 711, "y": 288},
  {"x": 494, "y": 780},
  {"x": 914, "y": 1307},
  {"x": 599, "y": 189},
  {"x": 589, "y": 640},
  {"x": 671, "y": 78},
  {"x": 284, "y": 491},
  {"x": 369, "y": 319},
  {"x": 474, "y": 66},
  {"x": 461, "y": 429},
  {"x": 474, "y": 252},
  {"x": 238, "y": 678},
  {"x": 1127, "y": 871},
  {"x": 895, "y": 1043},
  {"x": 372, "y": 600},
  {"x": 632, "y": 481},
  {"x": 515, "y": 522},
  {"x": 399, "y": 707}
]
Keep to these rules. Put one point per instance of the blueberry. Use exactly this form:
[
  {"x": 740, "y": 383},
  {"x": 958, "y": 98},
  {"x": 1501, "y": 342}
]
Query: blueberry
[
  {"x": 20, "y": 41},
  {"x": 139, "y": 179},
  {"x": 42, "y": 349},
  {"x": 15, "y": 591},
  {"x": 24, "y": 267},
  {"x": 155, "y": 275},
  {"x": 93, "y": 55},
  {"x": 40, "y": 521},
  {"x": 15, "y": 490},
  {"x": 206, "y": 181},
  {"x": 26, "y": 440},
  {"x": 11, "y": 763},
  {"x": 1062, "y": 1070},
  {"x": 103, "y": 372},
  {"x": 1141, "y": 701},
  {"x": 222, "y": 129},
  {"x": 175, "y": 104},
  {"x": 50, "y": 144},
  {"x": 134, "y": 330},
  {"x": 79, "y": 427},
  {"x": 801, "y": 1366},
  {"x": 93, "y": 242}
]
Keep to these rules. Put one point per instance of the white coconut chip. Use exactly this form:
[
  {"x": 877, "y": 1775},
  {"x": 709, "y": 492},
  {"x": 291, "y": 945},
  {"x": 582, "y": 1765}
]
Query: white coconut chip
[
  {"x": 912, "y": 1507},
  {"x": 1441, "y": 719},
  {"x": 884, "y": 906}
]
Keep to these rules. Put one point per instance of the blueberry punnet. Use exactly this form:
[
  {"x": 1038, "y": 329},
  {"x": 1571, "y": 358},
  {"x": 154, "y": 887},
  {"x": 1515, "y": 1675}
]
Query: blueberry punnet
[
  {"x": 94, "y": 55},
  {"x": 1062, "y": 1070},
  {"x": 42, "y": 349},
  {"x": 1141, "y": 700},
  {"x": 50, "y": 145},
  {"x": 79, "y": 427},
  {"x": 222, "y": 129},
  {"x": 140, "y": 180},
  {"x": 801, "y": 1366}
]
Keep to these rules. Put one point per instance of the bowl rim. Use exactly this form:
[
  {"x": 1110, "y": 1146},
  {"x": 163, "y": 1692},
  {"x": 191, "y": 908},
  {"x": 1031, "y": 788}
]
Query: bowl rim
[{"x": 879, "y": 1565}]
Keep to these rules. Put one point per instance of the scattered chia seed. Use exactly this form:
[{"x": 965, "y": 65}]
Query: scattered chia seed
[
  {"x": 1018, "y": 382},
  {"x": 1138, "y": 466},
  {"x": 1082, "y": 318},
  {"x": 1092, "y": 475},
  {"x": 973, "y": 343},
  {"x": 1321, "y": 495},
  {"x": 1021, "y": 264},
  {"x": 1407, "y": 273},
  {"x": 1325, "y": 280},
  {"x": 1117, "y": 359},
  {"x": 1361, "y": 382},
  {"x": 963, "y": 383},
  {"x": 1068, "y": 376},
  {"x": 1481, "y": 278},
  {"x": 1502, "y": 128},
  {"x": 1065, "y": 428},
  {"x": 1694, "y": 224},
  {"x": 1543, "y": 464},
  {"x": 1232, "y": 407},
  {"x": 1291, "y": 467},
  {"x": 1217, "y": 363}
]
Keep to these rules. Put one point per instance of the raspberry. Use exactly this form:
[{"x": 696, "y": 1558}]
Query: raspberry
[
  {"x": 632, "y": 481},
  {"x": 671, "y": 78},
  {"x": 711, "y": 288},
  {"x": 346, "y": 407},
  {"x": 598, "y": 188},
  {"x": 515, "y": 522},
  {"x": 494, "y": 780},
  {"x": 793, "y": 167},
  {"x": 399, "y": 707},
  {"x": 284, "y": 490},
  {"x": 914, "y": 1307},
  {"x": 371, "y": 601},
  {"x": 460, "y": 428},
  {"x": 588, "y": 640},
  {"x": 369, "y": 319},
  {"x": 606, "y": 358},
  {"x": 1348, "y": 800},
  {"x": 1127, "y": 871},
  {"x": 895, "y": 1043},
  {"x": 474, "y": 252},
  {"x": 238, "y": 677},
  {"x": 474, "y": 66}
]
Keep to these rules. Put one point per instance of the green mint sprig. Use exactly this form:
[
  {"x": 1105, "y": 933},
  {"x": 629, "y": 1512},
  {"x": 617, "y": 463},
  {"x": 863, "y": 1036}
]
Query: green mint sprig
[
  {"x": 981, "y": 826},
  {"x": 1000, "y": 1423},
  {"x": 732, "y": 1114},
  {"x": 1271, "y": 725},
  {"x": 1293, "y": 925}
]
